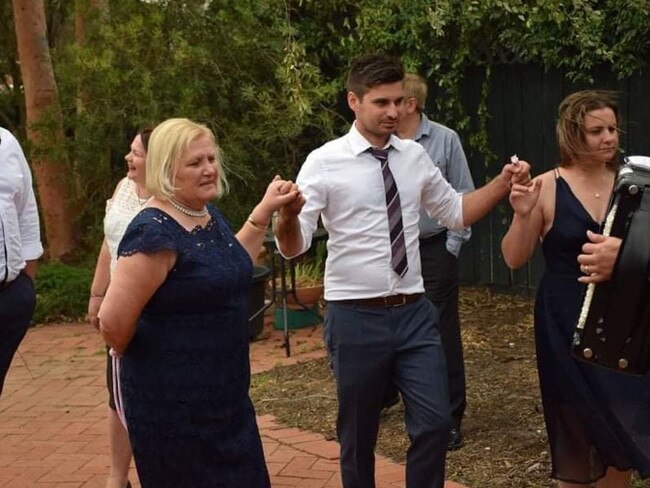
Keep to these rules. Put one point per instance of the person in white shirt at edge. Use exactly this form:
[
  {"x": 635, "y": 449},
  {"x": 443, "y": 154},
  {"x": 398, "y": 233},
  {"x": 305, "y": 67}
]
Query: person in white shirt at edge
[
  {"x": 20, "y": 248},
  {"x": 379, "y": 328}
]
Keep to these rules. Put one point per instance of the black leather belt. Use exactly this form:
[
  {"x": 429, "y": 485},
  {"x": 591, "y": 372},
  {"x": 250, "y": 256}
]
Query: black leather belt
[{"x": 383, "y": 302}]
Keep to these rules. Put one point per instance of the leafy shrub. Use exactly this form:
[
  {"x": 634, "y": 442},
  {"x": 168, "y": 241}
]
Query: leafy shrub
[{"x": 61, "y": 292}]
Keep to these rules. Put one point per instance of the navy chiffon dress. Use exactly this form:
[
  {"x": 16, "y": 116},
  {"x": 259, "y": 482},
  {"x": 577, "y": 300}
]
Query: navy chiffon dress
[
  {"x": 185, "y": 375},
  {"x": 594, "y": 417}
]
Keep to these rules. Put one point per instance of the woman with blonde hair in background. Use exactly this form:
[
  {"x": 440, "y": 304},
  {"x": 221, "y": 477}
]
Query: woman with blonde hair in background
[{"x": 176, "y": 314}]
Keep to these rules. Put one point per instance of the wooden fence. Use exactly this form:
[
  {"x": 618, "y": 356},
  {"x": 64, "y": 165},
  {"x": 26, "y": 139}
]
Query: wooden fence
[{"x": 522, "y": 105}]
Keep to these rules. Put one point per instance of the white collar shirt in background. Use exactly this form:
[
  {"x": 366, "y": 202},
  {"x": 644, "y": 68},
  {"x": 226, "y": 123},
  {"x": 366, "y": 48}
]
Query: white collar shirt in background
[
  {"x": 20, "y": 236},
  {"x": 342, "y": 182}
]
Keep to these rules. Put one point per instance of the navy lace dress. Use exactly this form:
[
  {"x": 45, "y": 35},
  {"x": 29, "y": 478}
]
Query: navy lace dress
[
  {"x": 595, "y": 417},
  {"x": 185, "y": 375}
]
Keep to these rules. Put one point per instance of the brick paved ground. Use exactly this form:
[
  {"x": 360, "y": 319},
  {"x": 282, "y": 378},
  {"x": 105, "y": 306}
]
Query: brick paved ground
[{"x": 53, "y": 410}]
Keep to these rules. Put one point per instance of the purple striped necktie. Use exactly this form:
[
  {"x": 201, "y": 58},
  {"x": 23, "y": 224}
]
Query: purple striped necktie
[{"x": 394, "y": 211}]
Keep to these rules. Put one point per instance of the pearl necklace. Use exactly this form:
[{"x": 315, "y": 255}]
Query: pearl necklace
[{"x": 196, "y": 214}]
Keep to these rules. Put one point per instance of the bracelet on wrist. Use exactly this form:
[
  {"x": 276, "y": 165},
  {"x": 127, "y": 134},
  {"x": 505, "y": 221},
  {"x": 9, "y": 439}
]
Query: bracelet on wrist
[{"x": 255, "y": 224}]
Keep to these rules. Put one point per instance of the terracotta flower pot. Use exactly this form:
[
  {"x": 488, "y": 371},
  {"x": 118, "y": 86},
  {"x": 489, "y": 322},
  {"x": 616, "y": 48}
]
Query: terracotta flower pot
[{"x": 309, "y": 296}]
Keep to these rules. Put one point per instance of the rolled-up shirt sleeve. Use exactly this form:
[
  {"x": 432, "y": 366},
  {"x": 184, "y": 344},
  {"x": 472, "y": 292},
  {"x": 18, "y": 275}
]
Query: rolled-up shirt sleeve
[
  {"x": 460, "y": 178},
  {"x": 312, "y": 185},
  {"x": 18, "y": 193},
  {"x": 30, "y": 231}
]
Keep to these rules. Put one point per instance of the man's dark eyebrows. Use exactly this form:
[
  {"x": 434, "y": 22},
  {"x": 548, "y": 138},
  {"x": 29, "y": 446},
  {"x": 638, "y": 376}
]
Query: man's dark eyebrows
[{"x": 386, "y": 100}]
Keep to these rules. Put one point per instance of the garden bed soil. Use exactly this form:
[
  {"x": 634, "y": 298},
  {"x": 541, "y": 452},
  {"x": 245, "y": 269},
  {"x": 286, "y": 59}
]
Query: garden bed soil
[{"x": 505, "y": 441}]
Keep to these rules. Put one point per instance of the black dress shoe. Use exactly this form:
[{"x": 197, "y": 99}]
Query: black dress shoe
[{"x": 455, "y": 440}]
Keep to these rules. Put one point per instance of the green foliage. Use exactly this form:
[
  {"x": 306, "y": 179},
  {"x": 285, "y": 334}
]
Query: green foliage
[
  {"x": 231, "y": 65},
  {"x": 447, "y": 40},
  {"x": 267, "y": 75},
  {"x": 11, "y": 99},
  {"x": 61, "y": 292},
  {"x": 308, "y": 273}
]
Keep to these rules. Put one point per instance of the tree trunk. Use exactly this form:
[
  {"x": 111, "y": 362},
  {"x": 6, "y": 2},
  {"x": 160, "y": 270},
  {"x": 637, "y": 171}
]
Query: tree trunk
[
  {"x": 45, "y": 128},
  {"x": 95, "y": 8}
]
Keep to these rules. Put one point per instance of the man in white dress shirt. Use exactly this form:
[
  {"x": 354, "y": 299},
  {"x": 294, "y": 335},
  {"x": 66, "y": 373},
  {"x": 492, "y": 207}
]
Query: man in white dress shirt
[
  {"x": 20, "y": 247},
  {"x": 379, "y": 327}
]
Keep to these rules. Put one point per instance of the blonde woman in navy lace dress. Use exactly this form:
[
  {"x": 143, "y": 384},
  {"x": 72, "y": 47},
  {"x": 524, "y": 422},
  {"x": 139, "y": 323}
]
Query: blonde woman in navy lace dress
[{"x": 176, "y": 312}]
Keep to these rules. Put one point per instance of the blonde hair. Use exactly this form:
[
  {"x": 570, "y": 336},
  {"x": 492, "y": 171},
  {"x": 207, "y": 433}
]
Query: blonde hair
[
  {"x": 168, "y": 141},
  {"x": 415, "y": 87},
  {"x": 571, "y": 122}
]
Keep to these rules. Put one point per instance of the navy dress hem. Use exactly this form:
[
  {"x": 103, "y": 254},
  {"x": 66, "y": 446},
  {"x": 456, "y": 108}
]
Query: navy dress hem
[{"x": 595, "y": 417}]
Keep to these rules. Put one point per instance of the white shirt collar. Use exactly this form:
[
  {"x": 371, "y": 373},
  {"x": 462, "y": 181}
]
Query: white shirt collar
[{"x": 360, "y": 144}]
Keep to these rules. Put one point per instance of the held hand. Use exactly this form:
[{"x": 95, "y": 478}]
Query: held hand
[
  {"x": 293, "y": 208},
  {"x": 516, "y": 173},
  {"x": 93, "y": 309},
  {"x": 598, "y": 257},
  {"x": 280, "y": 193},
  {"x": 523, "y": 198}
]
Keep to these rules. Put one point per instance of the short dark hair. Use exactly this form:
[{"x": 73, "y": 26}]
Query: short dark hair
[
  {"x": 371, "y": 70},
  {"x": 145, "y": 134}
]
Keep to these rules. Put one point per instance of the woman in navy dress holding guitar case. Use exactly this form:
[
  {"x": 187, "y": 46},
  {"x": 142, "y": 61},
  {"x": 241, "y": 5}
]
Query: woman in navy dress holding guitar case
[{"x": 597, "y": 420}]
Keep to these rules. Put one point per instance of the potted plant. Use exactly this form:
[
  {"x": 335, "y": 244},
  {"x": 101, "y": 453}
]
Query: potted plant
[
  {"x": 308, "y": 284},
  {"x": 303, "y": 298},
  {"x": 303, "y": 302},
  {"x": 308, "y": 274}
]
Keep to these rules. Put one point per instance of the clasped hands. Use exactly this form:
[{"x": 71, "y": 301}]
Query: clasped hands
[
  {"x": 598, "y": 254},
  {"x": 524, "y": 191},
  {"x": 517, "y": 174},
  {"x": 282, "y": 194}
]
